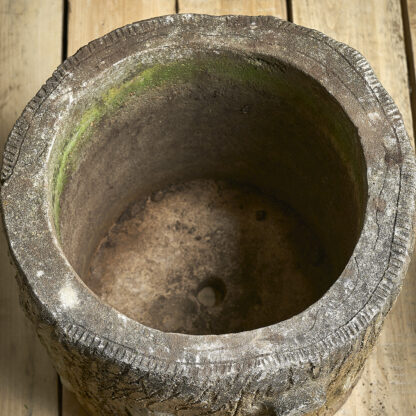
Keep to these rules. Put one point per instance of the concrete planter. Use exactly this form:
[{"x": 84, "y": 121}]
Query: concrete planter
[{"x": 210, "y": 215}]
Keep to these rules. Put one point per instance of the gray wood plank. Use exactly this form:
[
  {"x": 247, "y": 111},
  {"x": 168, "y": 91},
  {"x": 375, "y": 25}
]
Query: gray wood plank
[{"x": 30, "y": 49}]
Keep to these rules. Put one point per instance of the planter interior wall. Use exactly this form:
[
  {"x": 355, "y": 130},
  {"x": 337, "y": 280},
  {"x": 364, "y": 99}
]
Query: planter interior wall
[{"x": 247, "y": 138}]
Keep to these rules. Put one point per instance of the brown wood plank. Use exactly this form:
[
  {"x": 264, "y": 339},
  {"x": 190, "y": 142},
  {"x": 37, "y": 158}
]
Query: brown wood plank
[
  {"x": 87, "y": 21},
  {"x": 248, "y": 7},
  {"x": 374, "y": 27},
  {"x": 92, "y": 19},
  {"x": 409, "y": 23},
  {"x": 411, "y": 8},
  {"x": 28, "y": 55}
]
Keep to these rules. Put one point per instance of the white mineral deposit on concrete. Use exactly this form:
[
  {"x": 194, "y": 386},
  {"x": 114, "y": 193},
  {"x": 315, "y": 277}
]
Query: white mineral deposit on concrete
[
  {"x": 68, "y": 297},
  {"x": 374, "y": 116}
]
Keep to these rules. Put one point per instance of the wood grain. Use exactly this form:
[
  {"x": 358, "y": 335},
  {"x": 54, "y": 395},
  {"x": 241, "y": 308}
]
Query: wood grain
[
  {"x": 28, "y": 55},
  {"x": 411, "y": 8},
  {"x": 409, "y": 23},
  {"x": 374, "y": 27},
  {"x": 249, "y": 7},
  {"x": 88, "y": 20}
]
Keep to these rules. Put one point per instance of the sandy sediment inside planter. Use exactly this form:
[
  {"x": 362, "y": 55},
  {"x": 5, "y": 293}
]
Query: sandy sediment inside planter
[{"x": 209, "y": 257}]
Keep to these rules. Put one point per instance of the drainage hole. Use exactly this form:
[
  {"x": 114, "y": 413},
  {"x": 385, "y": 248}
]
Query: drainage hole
[{"x": 211, "y": 292}]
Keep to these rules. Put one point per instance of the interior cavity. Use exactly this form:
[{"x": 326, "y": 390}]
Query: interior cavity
[{"x": 210, "y": 195}]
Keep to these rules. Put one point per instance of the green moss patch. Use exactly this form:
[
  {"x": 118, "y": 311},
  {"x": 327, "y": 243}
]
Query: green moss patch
[
  {"x": 156, "y": 76},
  {"x": 255, "y": 73}
]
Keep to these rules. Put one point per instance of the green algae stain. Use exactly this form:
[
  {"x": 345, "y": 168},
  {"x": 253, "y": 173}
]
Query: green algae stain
[
  {"x": 255, "y": 73},
  {"x": 111, "y": 100}
]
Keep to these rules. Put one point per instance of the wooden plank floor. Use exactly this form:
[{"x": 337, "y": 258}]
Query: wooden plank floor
[
  {"x": 28, "y": 54},
  {"x": 33, "y": 36}
]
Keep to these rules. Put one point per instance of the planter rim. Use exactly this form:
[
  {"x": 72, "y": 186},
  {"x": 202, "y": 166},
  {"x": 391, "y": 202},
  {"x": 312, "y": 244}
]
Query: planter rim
[{"x": 375, "y": 269}]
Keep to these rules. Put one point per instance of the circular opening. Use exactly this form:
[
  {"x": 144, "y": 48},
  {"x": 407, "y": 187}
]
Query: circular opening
[
  {"x": 211, "y": 292},
  {"x": 209, "y": 195}
]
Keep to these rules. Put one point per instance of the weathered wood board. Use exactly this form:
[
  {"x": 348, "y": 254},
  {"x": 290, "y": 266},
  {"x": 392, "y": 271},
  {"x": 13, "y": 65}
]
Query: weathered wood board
[
  {"x": 28, "y": 55},
  {"x": 94, "y": 18}
]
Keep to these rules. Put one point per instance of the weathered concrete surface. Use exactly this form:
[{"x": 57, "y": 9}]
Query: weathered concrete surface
[{"x": 180, "y": 99}]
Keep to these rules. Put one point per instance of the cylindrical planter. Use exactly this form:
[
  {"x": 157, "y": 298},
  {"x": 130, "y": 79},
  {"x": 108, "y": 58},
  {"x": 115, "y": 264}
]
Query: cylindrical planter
[{"x": 210, "y": 216}]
